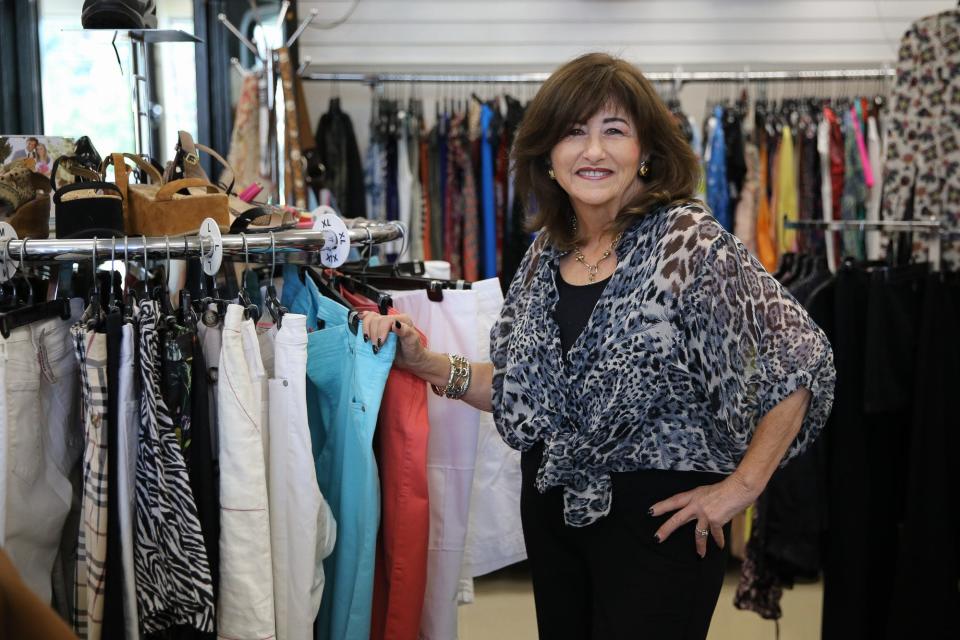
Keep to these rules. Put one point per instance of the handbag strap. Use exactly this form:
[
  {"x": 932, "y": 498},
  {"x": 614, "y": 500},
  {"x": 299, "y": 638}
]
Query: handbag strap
[
  {"x": 73, "y": 167},
  {"x": 168, "y": 190},
  {"x": 85, "y": 186},
  {"x": 120, "y": 167}
]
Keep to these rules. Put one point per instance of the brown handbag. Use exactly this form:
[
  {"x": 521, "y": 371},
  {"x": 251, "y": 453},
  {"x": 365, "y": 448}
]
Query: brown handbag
[
  {"x": 156, "y": 210},
  {"x": 121, "y": 177}
]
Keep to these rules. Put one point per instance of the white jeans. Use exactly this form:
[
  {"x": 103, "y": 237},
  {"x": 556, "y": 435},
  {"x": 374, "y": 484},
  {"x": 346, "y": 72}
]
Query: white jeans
[
  {"x": 39, "y": 420},
  {"x": 128, "y": 432},
  {"x": 494, "y": 535},
  {"x": 246, "y": 609},
  {"x": 302, "y": 528},
  {"x": 450, "y": 327}
]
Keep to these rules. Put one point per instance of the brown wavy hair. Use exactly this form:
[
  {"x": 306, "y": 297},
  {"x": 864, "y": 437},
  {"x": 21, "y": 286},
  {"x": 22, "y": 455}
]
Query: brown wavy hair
[{"x": 573, "y": 94}]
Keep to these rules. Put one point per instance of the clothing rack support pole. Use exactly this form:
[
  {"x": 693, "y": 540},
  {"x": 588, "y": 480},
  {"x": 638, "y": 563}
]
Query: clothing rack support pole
[
  {"x": 258, "y": 244},
  {"x": 677, "y": 75}
]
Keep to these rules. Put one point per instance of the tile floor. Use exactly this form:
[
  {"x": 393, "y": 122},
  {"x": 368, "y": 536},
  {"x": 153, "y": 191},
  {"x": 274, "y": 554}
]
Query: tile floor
[{"x": 503, "y": 610}]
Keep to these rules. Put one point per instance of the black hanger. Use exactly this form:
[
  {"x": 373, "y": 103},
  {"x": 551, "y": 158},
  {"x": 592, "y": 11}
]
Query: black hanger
[
  {"x": 27, "y": 310},
  {"x": 412, "y": 268},
  {"x": 329, "y": 291},
  {"x": 433, "y": 286},
  {"x": 250, "y": 310},
  {"x": 786, "y": 263},
  {"x": 359, "y": 286},
  {"x": 59, "y": 308},
  {"x": 272, "y": 302},
  {"x": 186, "y": 312}
]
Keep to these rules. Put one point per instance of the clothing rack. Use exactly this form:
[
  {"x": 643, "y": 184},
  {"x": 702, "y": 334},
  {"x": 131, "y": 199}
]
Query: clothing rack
[
  {"x": 281, "y": 246},
  {"x": 931, "y": 227},
  {"x": 678, "y": 76}
]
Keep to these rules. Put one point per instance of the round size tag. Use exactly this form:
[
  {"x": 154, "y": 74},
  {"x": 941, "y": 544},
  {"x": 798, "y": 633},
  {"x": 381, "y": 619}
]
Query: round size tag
[
  {"x": 212, "y": 247},
  {"x": 336, "y": 248},
  {"x": 8, "y": 266}
]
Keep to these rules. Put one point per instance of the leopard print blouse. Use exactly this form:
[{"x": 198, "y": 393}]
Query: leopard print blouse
[{"x": 690, "y": 344}]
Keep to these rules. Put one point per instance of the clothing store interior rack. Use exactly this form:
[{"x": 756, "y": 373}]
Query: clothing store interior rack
[
  {"x": 677, "y": 76},
  {"x": 932, "y": 229},
  {"x": 299, "y": 246}
]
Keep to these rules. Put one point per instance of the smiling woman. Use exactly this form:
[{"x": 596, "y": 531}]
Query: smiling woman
[
  {"x": 569, "y": 113},
  {"x": 652, "y": 404}
]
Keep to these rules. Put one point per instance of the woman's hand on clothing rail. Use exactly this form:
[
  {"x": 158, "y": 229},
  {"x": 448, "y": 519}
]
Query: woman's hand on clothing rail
[
  {"x": 712, "y": 506},
  {"x": 428, "y": 365}
]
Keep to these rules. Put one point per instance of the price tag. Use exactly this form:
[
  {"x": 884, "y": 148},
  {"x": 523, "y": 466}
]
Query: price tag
[
  {"x": 212, "y": 247},
  {"x": 336, "y": 247}
]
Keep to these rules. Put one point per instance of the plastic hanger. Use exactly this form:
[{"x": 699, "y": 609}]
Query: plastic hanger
[
  {"x": 32, "y": 312},
  {"x": 250, "y": 310},
  {"x": 382, "y": 299},
  {"x": 272, "y": 302}
]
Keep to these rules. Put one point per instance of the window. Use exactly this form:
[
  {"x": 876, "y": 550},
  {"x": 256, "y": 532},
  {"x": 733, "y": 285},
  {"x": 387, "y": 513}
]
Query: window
[{"x": 86, "y": 92}]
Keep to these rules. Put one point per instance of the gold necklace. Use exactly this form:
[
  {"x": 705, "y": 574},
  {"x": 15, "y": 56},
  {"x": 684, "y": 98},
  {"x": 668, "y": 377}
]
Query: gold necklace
[{"x": 593, "y": 269}]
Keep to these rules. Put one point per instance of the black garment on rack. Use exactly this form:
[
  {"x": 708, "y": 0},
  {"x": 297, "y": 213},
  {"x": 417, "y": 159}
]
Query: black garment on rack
[
  {"x": 204, "y": 468},
  {"x": 790, "y": 516},
  {"x": 343, "y": 170},
  {"x": 185, "y": 392},
  {"x": 810, "y": 200},
  {"x": 846, "y": 556},
  {"x": 515, "y": 238},
  {"x": 926, "y": 599},
  {"x": 878, "y": 315},
  {"x": 736, "y": 154},
  {"x": 113, "y": 621}
]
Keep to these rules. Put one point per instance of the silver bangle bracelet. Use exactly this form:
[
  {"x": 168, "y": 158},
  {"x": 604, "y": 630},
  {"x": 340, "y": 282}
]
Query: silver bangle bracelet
[{"x": 459, "y": 380}]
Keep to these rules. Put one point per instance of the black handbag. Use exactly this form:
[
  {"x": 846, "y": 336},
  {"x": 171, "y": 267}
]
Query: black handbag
[{"x": 96, "y": 216}]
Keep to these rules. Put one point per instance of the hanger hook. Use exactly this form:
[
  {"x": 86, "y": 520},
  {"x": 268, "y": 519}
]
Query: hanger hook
[
  {"x": 145, "y": 260},
  {"x": 126, "y": 266},
  {"x": 93, "y": 260},
  {"x": 246, "y": 254},
  {"x": 273, "y": 257},
  {"x": 166, "y": 276},
  {"x": 23, "y": 251}
]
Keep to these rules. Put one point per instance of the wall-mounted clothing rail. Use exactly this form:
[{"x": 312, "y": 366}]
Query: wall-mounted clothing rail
[
  {"x": 256, "y": 245},
  {"x": 901, "y": 226},
  {"x": 933, "y": 228},
  {"x": 654, "y": 76}
]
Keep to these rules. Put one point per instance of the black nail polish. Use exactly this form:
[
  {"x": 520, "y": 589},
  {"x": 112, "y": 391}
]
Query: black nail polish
[
  {"x": 366, "y": 338},
  {"x": 379, "y": 342},
  {"x": 376, "y": 349},
  {"x": 656, "y": 537},
  {"x": 397, "y": 323},
  {"x": 650, "y": 511}
]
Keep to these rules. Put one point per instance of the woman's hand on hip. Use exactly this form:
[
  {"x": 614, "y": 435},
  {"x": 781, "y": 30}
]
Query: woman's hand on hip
[
  {"x": 710, "y": 506},
  {"x": 410, "y": 349}
]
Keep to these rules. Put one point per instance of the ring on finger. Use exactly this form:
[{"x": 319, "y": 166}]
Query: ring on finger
[{"x": 703, "y": 533}]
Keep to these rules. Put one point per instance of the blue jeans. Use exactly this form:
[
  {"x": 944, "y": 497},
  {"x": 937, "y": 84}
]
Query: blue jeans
[{"x": 345, "y": 382}]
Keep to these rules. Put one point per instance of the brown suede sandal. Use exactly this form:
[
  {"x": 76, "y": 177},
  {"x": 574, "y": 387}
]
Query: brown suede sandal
[{"x": 186, "y": 163}]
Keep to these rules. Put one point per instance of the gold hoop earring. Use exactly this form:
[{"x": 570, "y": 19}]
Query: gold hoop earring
[
  {"x": 644, "y": 169},
  {"x": 550, "y": 173}
]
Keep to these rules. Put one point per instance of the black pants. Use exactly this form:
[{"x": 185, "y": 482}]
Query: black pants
[{"x": 611, "y": 579}]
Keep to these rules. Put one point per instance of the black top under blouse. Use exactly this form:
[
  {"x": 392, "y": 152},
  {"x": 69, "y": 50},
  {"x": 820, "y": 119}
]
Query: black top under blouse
[{"x": 574, "y": 306}]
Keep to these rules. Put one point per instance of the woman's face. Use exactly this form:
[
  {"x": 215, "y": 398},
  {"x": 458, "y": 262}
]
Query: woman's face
[{"x": 596, "y": 163}]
